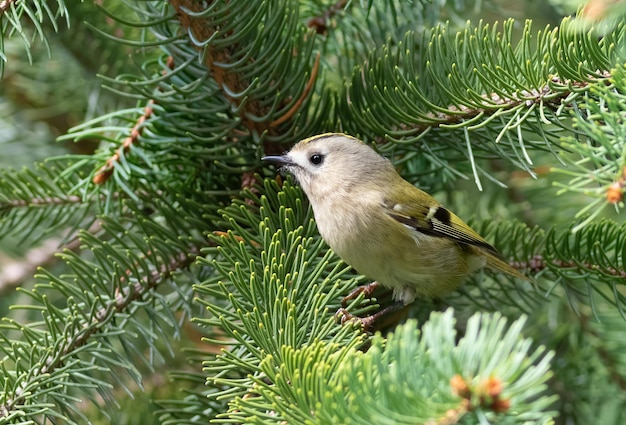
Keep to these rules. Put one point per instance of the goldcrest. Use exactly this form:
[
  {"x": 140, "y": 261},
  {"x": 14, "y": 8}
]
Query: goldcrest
[{"x": 382, "y": 225}]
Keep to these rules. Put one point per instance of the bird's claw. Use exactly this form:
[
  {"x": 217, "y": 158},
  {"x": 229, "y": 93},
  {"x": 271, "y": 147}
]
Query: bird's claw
[
  {"x": 366, "y": 290},
  {"x": 343, "y": 316},
  {"x": 376, "y": 321}
]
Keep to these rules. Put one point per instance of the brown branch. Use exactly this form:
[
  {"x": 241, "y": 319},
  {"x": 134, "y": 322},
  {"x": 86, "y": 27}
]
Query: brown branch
[
  {"x": 309, "y": 85},
  {"x": 5, "y": 5},
  {"x": 545, "y": 95},
  {"x": 70, "y": 199},
  {"x": 230, "y": 81},
  {"x": 203, "y": 29},
  {"x": 537, "y": 263},
  {"x": 103, "y": 174}
]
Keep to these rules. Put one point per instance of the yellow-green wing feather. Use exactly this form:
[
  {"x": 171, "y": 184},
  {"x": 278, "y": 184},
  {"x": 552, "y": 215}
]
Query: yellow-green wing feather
[
  {"x": 436, "y": 220},
  {"x": 432, "y": 218}
]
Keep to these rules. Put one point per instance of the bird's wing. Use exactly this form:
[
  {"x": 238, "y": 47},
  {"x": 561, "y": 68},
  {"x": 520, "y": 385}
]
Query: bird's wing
[{"x": 437, "y": 221}]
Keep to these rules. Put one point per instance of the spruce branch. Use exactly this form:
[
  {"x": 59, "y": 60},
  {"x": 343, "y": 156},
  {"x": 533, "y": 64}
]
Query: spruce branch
[
  {"x": 243, "y": 108},
  {"x": 219, "y": 57},
  {"x": 37, "y": 13},
  {"x": 266, "y": 247},
  {"x": 270, "y": 258},
  {"x": 78, "y": 335},
  {"x": 98, "y": 293},
  {"x": 231, "y": 84},
  {"x": 551, "y": 96},
  {"x": 103, "y": 174},
  {"x": 219, "y": 83},
  {"x": 48, "y": 201},
  {"x": 597, "y": 170},
  {"x": 321, "y": 383},
  {"x": 307, "y": 89},
  {"x": 44, "y": 199},
  {"x": 586, "y": 265},
  {"x": 537, "y": 264},
  {"x": 477, "y": 91}
]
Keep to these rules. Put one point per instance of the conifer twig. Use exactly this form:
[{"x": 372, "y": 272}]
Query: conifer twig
[
  {"x": 227, "y": 80},
  {"x": 82, "y": 334},
  {"x": 51, "y": 200},
  {"x": 537, "y": 263},
  {"x": 545, "y": 95},
  {"x": 4, "y": 5},
  {"x": 307, "y": 89},
  {"x": 103, "y": 174}
]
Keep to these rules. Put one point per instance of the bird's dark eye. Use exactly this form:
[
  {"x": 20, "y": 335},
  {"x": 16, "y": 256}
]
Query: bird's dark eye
[{"x": 316, "y": 159}]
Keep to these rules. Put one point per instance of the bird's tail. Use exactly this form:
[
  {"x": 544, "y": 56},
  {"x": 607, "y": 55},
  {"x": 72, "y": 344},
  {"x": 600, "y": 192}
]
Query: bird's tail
[{"x": 496, "y": 263}]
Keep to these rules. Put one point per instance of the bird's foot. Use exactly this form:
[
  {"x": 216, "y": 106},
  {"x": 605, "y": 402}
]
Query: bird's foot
[
  {"x": 377, "y": 321},
  {"x": 366, "y": 290}
]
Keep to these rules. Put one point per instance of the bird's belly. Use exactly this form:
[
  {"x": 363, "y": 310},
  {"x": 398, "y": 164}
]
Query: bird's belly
[{"x": 413, "y": 266}]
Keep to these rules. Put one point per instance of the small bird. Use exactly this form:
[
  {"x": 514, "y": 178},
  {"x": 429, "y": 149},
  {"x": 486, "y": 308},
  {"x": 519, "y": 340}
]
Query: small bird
[{"x": 380, "y": 224}]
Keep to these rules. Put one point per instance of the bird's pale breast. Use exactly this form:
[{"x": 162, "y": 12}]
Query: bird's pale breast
[{"x": 393, "y": 254}]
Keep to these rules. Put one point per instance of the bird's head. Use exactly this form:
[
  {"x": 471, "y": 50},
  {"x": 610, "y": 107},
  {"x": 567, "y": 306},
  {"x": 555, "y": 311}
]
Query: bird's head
[{"x": 331, "y": 164}]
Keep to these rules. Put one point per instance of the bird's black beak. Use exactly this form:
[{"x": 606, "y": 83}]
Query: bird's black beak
[{"x": 278, "y": 160}]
